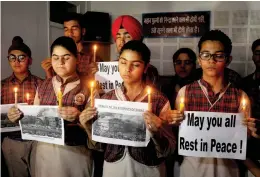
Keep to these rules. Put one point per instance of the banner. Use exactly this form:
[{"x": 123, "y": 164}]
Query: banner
[
  {"x": 213, "y": 134},
  {"x": 121, "y": 123},
  {"x": 108, "y": 77},
  {"x": 176, "y": 24}
]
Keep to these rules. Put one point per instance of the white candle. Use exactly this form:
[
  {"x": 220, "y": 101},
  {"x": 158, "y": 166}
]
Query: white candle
[
  {"x": 28, "y": 98},
  {"x": 149, "y": 99},
  {"x": 92, "y": 94},
  {"x": 95, "y": 51},
  {"x": 15, "y": 96}
]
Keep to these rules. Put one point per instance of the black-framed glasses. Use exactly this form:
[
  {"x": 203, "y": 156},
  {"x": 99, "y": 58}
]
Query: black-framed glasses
[
  {"x": 216, "y": 57},
  {"x": 13, "y": 58},
  {"x": 186, "y": 62},
  {"x": 257, "y": 53}
]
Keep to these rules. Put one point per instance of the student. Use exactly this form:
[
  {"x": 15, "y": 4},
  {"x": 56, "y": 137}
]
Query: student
[
  {"x": 72, "y": 159},
  {"x": 184, "y": 63},
  {"x": 133, "y": 161},
  {"x": 126, "y": 28},
  {"x": 251, "y": 85},
  {"x": 15, "y": 150},
  {"x": 74, "y": 28},
  {"x": 212, "y": 93}
]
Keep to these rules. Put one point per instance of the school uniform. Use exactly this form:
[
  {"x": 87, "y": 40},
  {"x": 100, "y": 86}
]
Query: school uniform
[
  {"x": 200, "y": 97},
  {"x": 72, "y": 159},
  {"x": 139, "y": 161},
  {"x": 16, "y": 151}
]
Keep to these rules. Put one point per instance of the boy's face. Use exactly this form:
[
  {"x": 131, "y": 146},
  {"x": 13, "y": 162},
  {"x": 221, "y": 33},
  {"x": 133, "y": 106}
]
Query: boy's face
[
  {"x": 63, "y": 62},
  {"x": 131, "y": 67},
  {"x": 256, "y": 56},
  {"x": 122, "y": 37},
  {"x": 211, "y": 67},
  {"x": 19, "y": 61},
  {"x": 73, "y": 30}
]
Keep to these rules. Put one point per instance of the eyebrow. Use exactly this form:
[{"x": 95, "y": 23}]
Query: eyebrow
[
  {"x": 61, "y": 55},
  {"x": 123, "y": 33},
  {"x": 71, "y": 26},
  {"x": 139, "y": 61},
  {"x": 215, "y": 52}
]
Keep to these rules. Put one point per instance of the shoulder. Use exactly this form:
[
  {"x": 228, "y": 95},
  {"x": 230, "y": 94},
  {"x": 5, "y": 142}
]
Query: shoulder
[{"x": 6, "y": 80}]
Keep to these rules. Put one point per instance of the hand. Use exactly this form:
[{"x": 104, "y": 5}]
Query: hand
[
  {"x": 14, "y": 114},
  {"x": 153, "y": 123},
  {"x": 174, "y": 117},
  {"x": 69, "y": 113},
  {"x": 46, "y": 64},
  {"x": 92, "y": 69},
  {"x": 86, "y": 116},
  {"x": 254, "y": 126}
]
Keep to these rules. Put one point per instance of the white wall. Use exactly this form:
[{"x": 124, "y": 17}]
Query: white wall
[
  {"x": 162, "y": 48},
  {"x": 28, "y": 20}
]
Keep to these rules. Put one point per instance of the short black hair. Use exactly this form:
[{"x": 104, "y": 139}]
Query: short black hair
[
  {"x": 187, "y": 51},
  {"x": 140, "y": 48},
  {"x": 66, "y": 42},
  {"x": 74, "y": 16},
  {"x": 255, "y": 44},
  {"x": 217, "y": 35}
]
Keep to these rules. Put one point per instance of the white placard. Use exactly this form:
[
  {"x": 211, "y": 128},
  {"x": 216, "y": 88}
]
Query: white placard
[
  {"x": 42, "y": 123},
  {"x": 108, "y": 77},
  {"x": 121, "y": 123},
  {"x": 213, "y": 134}
]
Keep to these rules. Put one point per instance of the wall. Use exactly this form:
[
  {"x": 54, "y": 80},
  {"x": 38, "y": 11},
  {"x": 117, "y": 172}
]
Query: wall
[
  {"x": 28, "y": 20},
  {"x": 227, "y": 16}
]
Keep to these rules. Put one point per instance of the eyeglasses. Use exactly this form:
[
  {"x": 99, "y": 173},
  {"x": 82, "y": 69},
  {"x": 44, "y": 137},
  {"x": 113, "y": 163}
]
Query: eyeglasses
[
  {"x": 216, "y": 57},
  {"x": 186, "y": 62},
  {"x": 13, "y": 58},
  {"x": 257, "y": 53}
]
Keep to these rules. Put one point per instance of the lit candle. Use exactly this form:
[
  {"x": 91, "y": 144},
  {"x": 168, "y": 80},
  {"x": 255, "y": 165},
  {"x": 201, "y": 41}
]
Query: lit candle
[
  {"x": 95, "y": 51},
  {"x": 149, "y": 99},
  {"x": 15, "y": 96},
  {"x": 59, "y": 95},
  {"x": 28, "y": 98},
  {"x": 92, "y": 94},
  {"x": 181, "y": 106},
  {"x": 244, "y": 107}
]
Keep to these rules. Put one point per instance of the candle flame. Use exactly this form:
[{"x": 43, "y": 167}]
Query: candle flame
[
  {"x": 27, "y": 96},
  {"x": 95, "y": 47},
  {"x": 149, "y": 91},
  {"x": 15, "y": 89},
  {"x": 244, "y": 102},
  {"x": 182, "y": 100},
  {"x": 92, "y": 84}
]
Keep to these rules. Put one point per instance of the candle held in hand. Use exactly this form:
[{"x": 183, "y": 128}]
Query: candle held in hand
[
  {"x": 92, "y": 94},
  {"x": 149, "y": 99}
]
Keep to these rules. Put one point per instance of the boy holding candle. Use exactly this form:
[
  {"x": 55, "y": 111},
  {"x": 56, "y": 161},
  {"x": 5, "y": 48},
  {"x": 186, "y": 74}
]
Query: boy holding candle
[
  {"x": 212, "y": 93},
  {"x": 73, "y": 28},
  {"x": 135, "y": 161},
  {"x": 14, "y": 89},
  {"x": 73, "y": 159}
]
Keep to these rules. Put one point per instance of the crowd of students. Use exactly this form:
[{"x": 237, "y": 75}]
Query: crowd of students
[{"x": 209, "y": 88}]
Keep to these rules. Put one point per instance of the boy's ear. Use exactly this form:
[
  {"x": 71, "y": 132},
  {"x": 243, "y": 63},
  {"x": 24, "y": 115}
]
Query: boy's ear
[
  {"x": 228, "y": 61},
  {"x": 30, "y": 61},
  {"x": 146, "y": 68},
  {"x": 199, "y": 62}
]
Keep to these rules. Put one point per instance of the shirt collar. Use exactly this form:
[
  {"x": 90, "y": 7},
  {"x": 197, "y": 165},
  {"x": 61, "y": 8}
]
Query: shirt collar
[
  {"x": 14, "y": 79},
  {"x": 70, "y": 79},
  {"x": 209, "y": 88}
]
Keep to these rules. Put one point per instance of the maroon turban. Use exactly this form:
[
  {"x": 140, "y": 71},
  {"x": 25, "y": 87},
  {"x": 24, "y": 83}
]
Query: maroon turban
[{"x": 132, "y": 26}]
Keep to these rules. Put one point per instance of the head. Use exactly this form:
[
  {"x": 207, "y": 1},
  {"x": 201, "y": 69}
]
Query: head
[
  {"x": 133, "y": 61},
  {"x": 214, "y": 53},
  {"x": 256, "y": 53},
  {"x": 52, "y": 122},
  {"x": 19, "y": 56},
  {"x": 184, "y": 62},
  {"x": 124, "y": 29},
  {"x": 73, "y": 26},
  {"x": 64, "y": 56}
]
